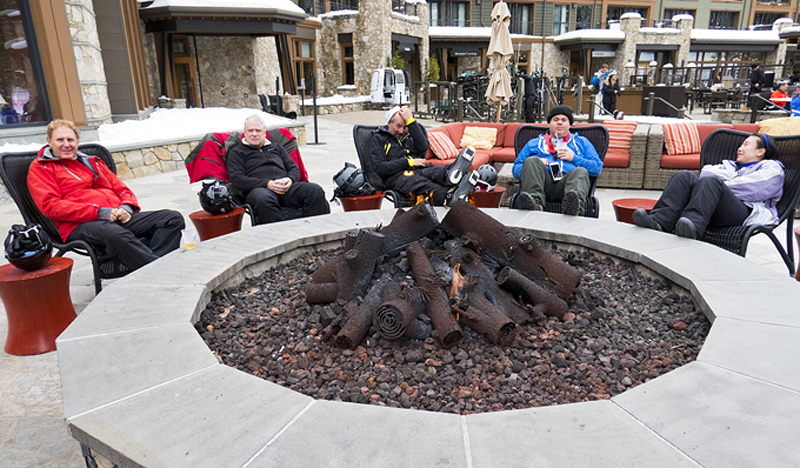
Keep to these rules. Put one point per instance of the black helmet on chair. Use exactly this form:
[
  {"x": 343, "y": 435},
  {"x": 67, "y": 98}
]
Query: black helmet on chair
[
  {"x": 215, "y": 198},
  {"x": 351, "y": 182},
  {"x": 487, "y": 174},
  {"x": 28, "y": 247}
]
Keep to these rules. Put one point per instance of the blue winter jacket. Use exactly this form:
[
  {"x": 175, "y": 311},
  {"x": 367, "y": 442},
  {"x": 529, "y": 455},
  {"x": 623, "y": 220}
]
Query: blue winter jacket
[{"x": 585, "y": 155}]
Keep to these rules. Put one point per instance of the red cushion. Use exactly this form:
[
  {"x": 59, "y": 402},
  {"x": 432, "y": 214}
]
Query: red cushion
[
  {"x": 441, "y": 145},
  {"x": 505, "y": 155},
  {"x": 681, "y": 138},
  {"x": 703, "y": 131},
  {"x": 511, "y": 132},
  {"x": 680, "y": 161},
  {"x": 747, "y": 127},
  {"x": 481, "y": 157},
  {"x": 617, "y": 159}
]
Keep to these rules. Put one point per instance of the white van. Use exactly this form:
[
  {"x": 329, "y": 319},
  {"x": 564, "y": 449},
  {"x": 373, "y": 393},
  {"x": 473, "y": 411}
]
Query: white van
[{"x": 390, "y": 86}]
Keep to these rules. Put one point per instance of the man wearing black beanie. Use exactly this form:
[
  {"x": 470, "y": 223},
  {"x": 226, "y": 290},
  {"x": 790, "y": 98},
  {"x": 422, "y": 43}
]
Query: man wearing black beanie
[{"x": 556, "y": 166}]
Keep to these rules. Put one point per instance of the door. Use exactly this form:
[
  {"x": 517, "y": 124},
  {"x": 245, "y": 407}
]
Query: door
[{"x": 185, "y": 80}]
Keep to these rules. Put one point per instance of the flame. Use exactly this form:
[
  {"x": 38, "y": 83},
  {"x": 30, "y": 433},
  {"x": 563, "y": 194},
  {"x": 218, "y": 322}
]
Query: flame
[
  {"x": 458, "y": 281},
  {"x": 424, "y": 197}
]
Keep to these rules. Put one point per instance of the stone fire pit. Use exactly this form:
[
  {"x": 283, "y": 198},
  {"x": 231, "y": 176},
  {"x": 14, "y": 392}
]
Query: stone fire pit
[{"x": 141, "y": 388}]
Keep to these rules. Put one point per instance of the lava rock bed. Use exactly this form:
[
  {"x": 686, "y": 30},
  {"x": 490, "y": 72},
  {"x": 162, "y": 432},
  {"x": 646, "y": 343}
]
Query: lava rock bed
[{"x": 622, "y": 329}]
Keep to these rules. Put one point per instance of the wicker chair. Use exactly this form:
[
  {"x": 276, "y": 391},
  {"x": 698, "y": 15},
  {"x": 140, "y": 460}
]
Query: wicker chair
[
  {"x": 632, "y": 176},
  {"x": 722, "y": 144},
  {"x": 362, "y": 135},
  {"x": 596, "y": 134},
  {"x": 14, "y": 173}
]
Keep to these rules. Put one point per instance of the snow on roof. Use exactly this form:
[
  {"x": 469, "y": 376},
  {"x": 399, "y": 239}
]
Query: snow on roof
[
  {"x": 282, "y": 5},
  {"x": 650, "y": 30},
  {"x": 592, "y": 34},
  {"x": 332, "y": 14},
  {"x": 735, "y": 35},
  {"x": 791, "y": 31}
]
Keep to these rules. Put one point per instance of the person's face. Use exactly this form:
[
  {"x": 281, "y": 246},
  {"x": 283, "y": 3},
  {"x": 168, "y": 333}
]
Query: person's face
[
  {"x": 784, "y": 87},
  {"x": 396, "y": 126},
  {"x": 603, "y": 69},
  {"x": 254, "y": 133},
  {"x": 748, "y": 152},
  {"x": 559, "y": 125},
  {"x": 64, "y": 143}
]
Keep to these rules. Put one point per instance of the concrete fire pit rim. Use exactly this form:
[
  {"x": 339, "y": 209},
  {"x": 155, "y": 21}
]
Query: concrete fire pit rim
[{"x": 676, "y": 257}]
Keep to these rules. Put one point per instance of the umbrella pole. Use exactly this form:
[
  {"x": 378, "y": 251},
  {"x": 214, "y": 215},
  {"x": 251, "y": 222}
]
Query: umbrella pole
[{"x": 498, "y": 113}]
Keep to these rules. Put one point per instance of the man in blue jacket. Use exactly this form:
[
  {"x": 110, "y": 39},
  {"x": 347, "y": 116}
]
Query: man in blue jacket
[{"x": 556, "y": 166}]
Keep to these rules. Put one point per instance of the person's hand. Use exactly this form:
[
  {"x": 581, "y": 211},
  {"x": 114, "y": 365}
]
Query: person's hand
[
  {"x": 544, "y": 161},
  {"x": 121, "y": 215},
  {"x": 566, "y": 154},
  {"x": 422, "y": 162},
  {"x": 405, "y": 113},
  {"x": 280, "y": 186}
]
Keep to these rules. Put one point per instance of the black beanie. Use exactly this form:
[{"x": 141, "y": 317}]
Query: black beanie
[{"x": 561, "y": 110}]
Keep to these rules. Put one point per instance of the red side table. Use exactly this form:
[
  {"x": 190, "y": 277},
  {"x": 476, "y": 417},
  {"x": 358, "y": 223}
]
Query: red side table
[
  {"x": 624, "y": 207},
  {"x": 38, "y": 305},
  {"x": 490, "y": 199},
  {"x": 210, "y": 226}
]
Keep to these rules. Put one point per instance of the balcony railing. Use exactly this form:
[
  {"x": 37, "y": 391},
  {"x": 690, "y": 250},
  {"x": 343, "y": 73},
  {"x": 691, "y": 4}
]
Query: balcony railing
[
  {"x": 337, "y": 5},
  {"x": 401, "y": 6}
]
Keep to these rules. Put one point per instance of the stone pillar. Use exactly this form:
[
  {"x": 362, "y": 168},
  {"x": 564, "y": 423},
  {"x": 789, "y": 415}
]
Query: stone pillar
[
  {"x": 629, "y": 23},
  {"x": 372, "y": 40},
  {"x": 89, "y": 61},
  {"x": 684, "y": 23},
  {"x": 266, "y": 65},
  {"x": 227, "y": 73}
]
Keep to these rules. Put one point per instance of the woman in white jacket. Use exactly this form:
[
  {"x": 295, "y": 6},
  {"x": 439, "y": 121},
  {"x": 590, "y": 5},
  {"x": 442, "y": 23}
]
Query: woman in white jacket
[{"x": 744, "y": 191}]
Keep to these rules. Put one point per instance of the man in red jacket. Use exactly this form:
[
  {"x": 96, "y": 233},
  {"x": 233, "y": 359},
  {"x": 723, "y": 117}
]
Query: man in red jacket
[{"x": 88, "y": 202}]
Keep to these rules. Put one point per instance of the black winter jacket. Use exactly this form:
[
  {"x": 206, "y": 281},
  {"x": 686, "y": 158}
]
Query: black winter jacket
[
  {"x": 250, "y": 167},
  {"x": 391, "y": 156}
]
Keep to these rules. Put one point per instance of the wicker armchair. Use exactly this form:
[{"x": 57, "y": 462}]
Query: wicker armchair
[
  {"x": 632, "y": 176},
  {"x": 596, "y": 134},
  {"x": 362, "y": 135},
  {"x": 14, "y": 173},
  {"x": 722, "y": 144}
]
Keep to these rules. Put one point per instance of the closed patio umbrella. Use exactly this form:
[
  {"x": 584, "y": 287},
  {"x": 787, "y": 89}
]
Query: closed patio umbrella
[{"x": 500, "y": 50}]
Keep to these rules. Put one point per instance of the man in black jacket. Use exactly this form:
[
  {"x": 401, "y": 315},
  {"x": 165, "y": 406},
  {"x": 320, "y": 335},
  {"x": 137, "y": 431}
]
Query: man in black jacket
[
  {"x": 397, "y": 151},
  {"x": 269, "y": 178},
  {"x": 757, "y": 81}
]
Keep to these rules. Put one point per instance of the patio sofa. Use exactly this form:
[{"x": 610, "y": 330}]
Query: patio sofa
[
  {"x": 500, "y": 151},
  {"x": 660, "y": 166}
]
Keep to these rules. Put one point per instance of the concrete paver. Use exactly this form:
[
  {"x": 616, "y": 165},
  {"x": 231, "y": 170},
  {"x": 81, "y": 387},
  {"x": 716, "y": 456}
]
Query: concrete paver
[{"x": 33, "y": 428}]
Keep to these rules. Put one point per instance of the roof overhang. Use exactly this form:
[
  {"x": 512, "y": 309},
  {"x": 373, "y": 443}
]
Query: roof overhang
[
  {"x": 590, "y": 39},
  {"x": 221, "y": 20}
]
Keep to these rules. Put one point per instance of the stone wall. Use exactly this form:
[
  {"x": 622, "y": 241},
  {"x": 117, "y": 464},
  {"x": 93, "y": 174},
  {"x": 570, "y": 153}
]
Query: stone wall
[
  {"x": 89, "y": 61},
  {"x": 266, "y": 65},
  {"x": 227, "y": 74},
  {"x": 151, "y": 59},
  {"x": 329, "y": 52}
]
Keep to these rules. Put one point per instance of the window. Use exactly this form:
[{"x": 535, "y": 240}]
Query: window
[
  {"x": 448, "y": 13},
  {"x": 303, "y": 61},
  {"x": 711, "y": 66},
  {"x": 670, "y": 13},
  {"x": 560, "y": 19},
  {"x": 767, "y": 18},
  {"x": 348, "y": 73},
  {"x": 307, "y": 6},
  {"x": 21, "y": 84},
  {"x": 336, "y": 5},
  {"x": 723, "y": 20},
  {"x": 583, "y": 17},
  {"x": 520, "y": 18},
  {"x": 521, "y": 59},
  {"x": 615, "y": 13}
]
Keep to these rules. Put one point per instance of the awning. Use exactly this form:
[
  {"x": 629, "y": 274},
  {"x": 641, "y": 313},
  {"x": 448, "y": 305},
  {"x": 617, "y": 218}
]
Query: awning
[{"x": 405, "y": 43}]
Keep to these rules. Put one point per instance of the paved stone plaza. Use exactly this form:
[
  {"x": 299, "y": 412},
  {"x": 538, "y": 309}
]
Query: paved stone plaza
[{"x": 737, "y": 406}]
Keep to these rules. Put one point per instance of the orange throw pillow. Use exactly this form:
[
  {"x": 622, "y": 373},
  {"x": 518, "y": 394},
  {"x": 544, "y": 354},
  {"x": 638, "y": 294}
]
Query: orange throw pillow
[
  {"x": 681, "y": 138},
  {"x": 620, "y": 133},
  {"x": 442, "y": 146}
]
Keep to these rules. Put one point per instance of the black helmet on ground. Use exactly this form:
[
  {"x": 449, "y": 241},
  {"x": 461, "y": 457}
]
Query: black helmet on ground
[
  {"x": 215, "y": 198},
  {"x": 28, "y": 247}
]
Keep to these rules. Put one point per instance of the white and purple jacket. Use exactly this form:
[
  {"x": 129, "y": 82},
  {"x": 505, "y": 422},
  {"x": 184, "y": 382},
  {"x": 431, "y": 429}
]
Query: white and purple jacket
[{"x": 758, "y": 185}]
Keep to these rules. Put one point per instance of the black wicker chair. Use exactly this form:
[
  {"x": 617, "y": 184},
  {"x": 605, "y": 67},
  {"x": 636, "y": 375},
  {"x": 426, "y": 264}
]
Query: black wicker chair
[
  {"x": 14, "y": 173},
  {"x": 722, "y": 144},
  {"x": 596, "y": 134},
  {"x": 362, "y": 135}
]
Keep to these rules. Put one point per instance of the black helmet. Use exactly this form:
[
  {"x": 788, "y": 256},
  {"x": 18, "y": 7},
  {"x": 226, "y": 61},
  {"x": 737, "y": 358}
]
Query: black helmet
[
  {"x": 215, "y": 198},
  {"x": 28, "y": 247},
  {"x": 350, "y": 182},
  {"x": 488, "y": 174}
]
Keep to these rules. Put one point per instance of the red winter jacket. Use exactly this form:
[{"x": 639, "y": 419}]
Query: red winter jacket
[{"x": 69, "y": 193}]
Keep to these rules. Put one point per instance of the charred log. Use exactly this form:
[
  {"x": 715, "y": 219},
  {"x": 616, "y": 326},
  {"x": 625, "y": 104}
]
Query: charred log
[
  {"x": 542, "y": 300},
  {"x": 327, "y": 272},
  {"x": 409, "y": 226},
  {"x": 447, "y": 330},
  {"x": 355, "y": 273},
  {"x": 321, "y": 293},
  {"x": 486, "y": 319},
  {"x": 354, "y": 321},
  {"x": 507, "y": 247},
  {"x": 395, "y": 316}
]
